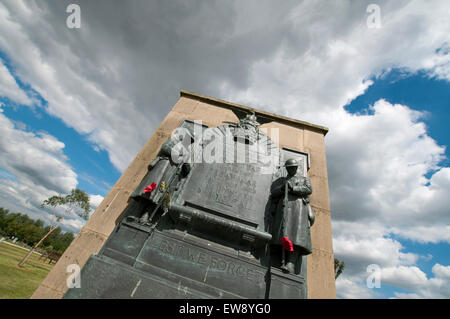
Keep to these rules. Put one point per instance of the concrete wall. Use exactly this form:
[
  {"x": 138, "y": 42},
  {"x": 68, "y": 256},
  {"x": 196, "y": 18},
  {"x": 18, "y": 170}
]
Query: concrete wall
[{"x": 292, "y": 133}]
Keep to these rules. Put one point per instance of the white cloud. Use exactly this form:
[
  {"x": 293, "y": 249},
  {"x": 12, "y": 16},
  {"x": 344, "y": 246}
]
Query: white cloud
[
  {"x": 424, "y": 234},
  {"x": 363, "y": 251},
  {"x": 337, "y": 52},
  {"x": 376, "y": 162},
  {"x": 35, "y": 159},
  {"x": 388, "y": 153},
  {"x": 399, "y": 295},
  {"x": 410, "y": 278},
  {"x": 309, "y": 56},
  {"x": 404, "y": 277},
  {"x": 55, "y": 71},
  {"x": 72, "y": 224},
  {"x": 442, "y": 272},
  {"x": 414, "y": 279},
  {"x": 376, "y": 168}
]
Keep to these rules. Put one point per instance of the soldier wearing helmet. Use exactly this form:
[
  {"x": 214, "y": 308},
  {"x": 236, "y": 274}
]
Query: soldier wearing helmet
[{"x": 293, "y": 217}]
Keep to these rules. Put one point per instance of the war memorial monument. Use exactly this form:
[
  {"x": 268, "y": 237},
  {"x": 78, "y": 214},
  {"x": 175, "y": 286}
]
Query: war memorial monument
[{"x": 223, "y": 201}]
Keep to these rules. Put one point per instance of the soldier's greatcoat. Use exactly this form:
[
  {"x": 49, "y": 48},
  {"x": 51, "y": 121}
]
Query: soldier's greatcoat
[{"x": 291, "y": 218}]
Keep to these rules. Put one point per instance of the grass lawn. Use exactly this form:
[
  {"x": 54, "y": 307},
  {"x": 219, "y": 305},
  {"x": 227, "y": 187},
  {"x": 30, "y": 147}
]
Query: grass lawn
[{"x": 16, "y": 282}]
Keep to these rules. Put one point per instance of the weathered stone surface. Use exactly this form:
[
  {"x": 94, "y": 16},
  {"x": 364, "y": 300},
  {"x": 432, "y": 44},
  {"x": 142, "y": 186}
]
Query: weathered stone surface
[
  {"x": 172, "y": 122},
  {"x": 212, "y": 116},
  {"x": 151, "y": 147},
  {"x": 319, "y": 196},
  {"x": 318, "y": 163},
  {"x": 104, "y": 220},
  {"x": 314, "y": 141},
  {"x": 185, "y": 105},
  {"x": 44, "y": 292}
]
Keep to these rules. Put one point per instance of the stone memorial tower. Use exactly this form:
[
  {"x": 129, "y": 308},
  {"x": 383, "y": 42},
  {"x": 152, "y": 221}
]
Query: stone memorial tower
[{"x": 223, "y": 201}]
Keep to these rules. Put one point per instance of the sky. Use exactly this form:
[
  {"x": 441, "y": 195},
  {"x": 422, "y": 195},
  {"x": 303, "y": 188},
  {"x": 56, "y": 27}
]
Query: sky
[{"x": 77, "y": 104}]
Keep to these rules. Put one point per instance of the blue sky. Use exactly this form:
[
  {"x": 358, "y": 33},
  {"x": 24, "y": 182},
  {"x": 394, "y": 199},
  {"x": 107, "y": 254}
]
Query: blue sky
[{"x": 76, "y": 106}]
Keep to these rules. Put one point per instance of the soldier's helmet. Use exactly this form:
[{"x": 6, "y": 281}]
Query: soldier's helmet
[{"x": 291, "y": 162}]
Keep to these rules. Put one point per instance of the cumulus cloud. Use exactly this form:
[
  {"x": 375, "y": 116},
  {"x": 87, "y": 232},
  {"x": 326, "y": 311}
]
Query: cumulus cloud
[
  {"x": 337, "y": 54},
  {"x": 377, "y": 161},
  {"x": 116, "y": 74},
  {"x": 377, "y": 164},
  {"x": 360, "y": 250},
  {"x": 37, "y": 169},
  {"x": 434, "y": 287},
  {"x": 95, "y": 201},
  {"x": 389, "y": 153},
  {"x": 424, "y": 234},
  {"x": 404, "y": 277},
  {"x": 72, "y": 223},
  {"x": 410, "y": 278}
]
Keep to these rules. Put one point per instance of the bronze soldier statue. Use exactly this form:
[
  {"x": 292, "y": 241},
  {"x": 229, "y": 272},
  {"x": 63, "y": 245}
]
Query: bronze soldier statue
[{"x": 293, "y": 216}]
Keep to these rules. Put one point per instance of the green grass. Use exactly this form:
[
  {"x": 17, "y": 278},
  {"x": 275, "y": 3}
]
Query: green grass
[{"x": 16, "y": 282}]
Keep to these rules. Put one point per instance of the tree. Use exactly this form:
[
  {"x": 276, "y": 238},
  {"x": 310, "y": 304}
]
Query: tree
[
  {"x": 72, "y": 203},
  {"x": 338, "y": 267}
]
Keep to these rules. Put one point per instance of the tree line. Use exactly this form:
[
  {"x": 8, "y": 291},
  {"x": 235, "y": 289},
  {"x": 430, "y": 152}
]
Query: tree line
[{"x": 30, "y": 231}]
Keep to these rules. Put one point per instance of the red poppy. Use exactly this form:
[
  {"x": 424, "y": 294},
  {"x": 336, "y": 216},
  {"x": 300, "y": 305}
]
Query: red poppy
[
  {"x": 287, "y": 244},
  {"x": 150, "y": 188}
]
